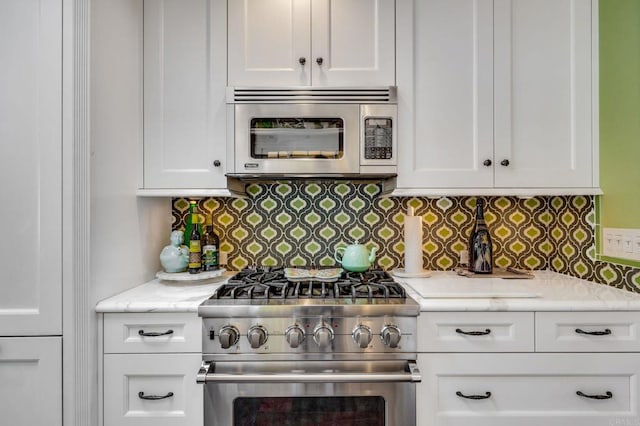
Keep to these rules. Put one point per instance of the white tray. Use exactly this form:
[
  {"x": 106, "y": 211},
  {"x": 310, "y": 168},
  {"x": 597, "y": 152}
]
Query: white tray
[{"x": 186, "y": 276}]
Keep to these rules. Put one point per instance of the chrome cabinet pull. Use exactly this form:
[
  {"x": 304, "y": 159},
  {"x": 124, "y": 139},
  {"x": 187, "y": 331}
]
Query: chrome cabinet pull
[
  {"x": 474, "y": 333},
  {"x": 486, "y": 395},
  {"x": 154, "y": 334},
  {"x": 141, "y": 395},
  {"x": 607, "y": 395},
  {"x": 594, "y": 333}
]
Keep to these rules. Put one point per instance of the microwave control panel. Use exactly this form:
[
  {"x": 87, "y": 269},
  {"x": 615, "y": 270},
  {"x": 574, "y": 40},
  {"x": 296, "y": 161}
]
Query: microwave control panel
[{"x": 378, "y": 138}]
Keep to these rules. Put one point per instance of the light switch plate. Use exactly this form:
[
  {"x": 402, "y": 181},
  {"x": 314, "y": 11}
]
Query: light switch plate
[{"x": 621, "y": 243}]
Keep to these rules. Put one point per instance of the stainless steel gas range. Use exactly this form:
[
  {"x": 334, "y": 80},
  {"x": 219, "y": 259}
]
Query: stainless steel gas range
[{"x": 310, "y": 352}]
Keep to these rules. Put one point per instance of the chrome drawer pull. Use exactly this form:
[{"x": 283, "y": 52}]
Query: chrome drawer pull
[
  {"x": 486, "y": 395},
  {"x": 141, "y": 395},
  {"x": 474, "y": 333},
  {"x": 594, "y": 333},
  {"x": 154, "y": 334},
  {"x": 607, "y": 395}
]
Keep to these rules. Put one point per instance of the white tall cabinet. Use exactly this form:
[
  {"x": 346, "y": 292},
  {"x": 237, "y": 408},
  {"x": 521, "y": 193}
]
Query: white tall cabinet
[
  {"x": 184, "y": 94},
  {"x": 31, "y": 214},
  {"x": 311, "y": 43},
  {"x": 496, "y": 94}
]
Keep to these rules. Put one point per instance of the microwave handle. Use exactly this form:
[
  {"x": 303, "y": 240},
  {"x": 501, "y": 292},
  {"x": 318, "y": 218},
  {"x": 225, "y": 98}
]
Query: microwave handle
[{"x": 206, "y": 374}]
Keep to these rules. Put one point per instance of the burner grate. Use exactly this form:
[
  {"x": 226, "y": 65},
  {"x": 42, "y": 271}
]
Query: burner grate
[{"x": 270, "y": 283}]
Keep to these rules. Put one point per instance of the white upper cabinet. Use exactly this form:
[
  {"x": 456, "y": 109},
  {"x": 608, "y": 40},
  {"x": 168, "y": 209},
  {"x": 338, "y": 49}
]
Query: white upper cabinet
[
  {"x": 184, "y": 94},
  {"x": 311, "y": 43},
  {"x": 31, "y": 167},
  {"x": 543, "y": 111},
  {"x": 445, "y": 93},
  {"x": 495, "y": 95}
]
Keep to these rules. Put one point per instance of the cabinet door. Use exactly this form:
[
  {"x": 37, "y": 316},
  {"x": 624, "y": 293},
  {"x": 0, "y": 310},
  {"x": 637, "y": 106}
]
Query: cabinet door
[
  {"x": 528, "y": 389},
  {"x": 269, "y": 43},
  {"x": 543, "y": 92},
  {"x": 445, "y": 93},
  {"x": 184, "y": 94},
  {"x": 353, "y": 43},
  {"x": 31, "y": 381},
  {"x": 152, "y": 390},
  {"x": 31, "y": 167}
]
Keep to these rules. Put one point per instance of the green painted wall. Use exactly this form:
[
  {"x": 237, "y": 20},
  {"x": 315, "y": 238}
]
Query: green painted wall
[{"x": 620, "y": 113}]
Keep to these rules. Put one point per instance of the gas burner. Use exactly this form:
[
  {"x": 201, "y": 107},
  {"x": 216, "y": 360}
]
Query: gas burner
[
  {"x": 369, "y": 290},
  {"x": 270, "y": 283}
]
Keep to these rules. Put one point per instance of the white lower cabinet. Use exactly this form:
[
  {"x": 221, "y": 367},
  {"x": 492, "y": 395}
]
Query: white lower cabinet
[
  {"x": 30, "y": 381},
  {"x": 581, "y": 369},
  {"x": 152, "y": 390},
  {"x": 528, "y": 389},
  {"x": 150, "y": 363}
]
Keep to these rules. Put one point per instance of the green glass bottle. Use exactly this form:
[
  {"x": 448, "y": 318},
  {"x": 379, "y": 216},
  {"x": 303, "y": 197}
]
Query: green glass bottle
[
  {"x": 195, "y": 246},
  {"x": 189, "y": 223}
]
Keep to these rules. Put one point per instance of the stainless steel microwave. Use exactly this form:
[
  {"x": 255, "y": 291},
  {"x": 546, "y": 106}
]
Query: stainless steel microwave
[{"x": 340, "y": 133}]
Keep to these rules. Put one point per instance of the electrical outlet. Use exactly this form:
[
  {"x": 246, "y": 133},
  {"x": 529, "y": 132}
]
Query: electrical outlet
[{"x": 621, "y": 243}]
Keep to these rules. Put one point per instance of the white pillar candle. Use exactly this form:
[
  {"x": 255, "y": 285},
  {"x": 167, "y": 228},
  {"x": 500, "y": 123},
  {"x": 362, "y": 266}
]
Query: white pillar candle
[{"x": 412, "y": 244}]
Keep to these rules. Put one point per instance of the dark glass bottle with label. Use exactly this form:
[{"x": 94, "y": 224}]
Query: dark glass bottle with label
[
  {"x": 480, "y": 246},
  {"x": 195, "y": 246},
  {"x": 210, "y": 247}
]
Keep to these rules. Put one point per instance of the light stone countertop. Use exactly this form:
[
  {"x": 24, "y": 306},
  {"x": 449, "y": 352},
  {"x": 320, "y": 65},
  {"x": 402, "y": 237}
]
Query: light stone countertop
[
  {"x": 443, "y": 291},
  {"x": 163, "y": 296},
  {"x": 548, "y": 291}
]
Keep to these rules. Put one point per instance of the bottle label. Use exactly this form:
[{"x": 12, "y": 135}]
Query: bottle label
[
  {"x": 210, "y": 257},
  {"x": 195, "y": 255}
]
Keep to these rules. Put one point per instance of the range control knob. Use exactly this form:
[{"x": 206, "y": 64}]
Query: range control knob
[
  {"x": 390, "y": 336},
  {"x": 322, "y": 335},
  {"x": 257, "y": 336},
  {"x": 294, "y": 335},
  {"x": 228, "y": 336},
  {"x": 362, "y": 336}
]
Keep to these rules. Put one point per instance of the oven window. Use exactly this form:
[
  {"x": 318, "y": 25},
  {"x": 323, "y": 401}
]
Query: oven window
[
  {"x": 319, "y": 138},
  {"x": 299, "y": 411}
]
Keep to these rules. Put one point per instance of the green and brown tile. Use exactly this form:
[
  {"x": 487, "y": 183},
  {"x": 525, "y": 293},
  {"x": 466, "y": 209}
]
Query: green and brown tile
[{"x": 302, "y": 224}]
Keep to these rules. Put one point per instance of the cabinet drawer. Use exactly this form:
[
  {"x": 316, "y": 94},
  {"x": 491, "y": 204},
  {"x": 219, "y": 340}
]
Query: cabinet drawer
[
  {"x": 528, "y": 389},
  {"x": 587, "y": 332},
  {"x": 129, "y": 379},
  {"x": 149, "y": 332},
  {"x": 475, "y": 332}
]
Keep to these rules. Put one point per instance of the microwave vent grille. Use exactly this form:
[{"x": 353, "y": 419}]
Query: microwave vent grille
[{"x": 381, "y": 95}]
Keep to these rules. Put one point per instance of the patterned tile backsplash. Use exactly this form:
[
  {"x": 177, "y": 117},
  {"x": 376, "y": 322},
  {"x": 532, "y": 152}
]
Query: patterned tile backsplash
[{"x": 302, "y": 224}]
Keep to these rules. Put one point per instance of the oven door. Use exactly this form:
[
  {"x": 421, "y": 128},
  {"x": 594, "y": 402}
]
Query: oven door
[{"x": 296, "y": 393}]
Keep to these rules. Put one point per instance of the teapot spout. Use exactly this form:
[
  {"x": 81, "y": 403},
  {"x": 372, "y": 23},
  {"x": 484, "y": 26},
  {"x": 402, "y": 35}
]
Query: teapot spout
[{"x": 372, "y": 255}]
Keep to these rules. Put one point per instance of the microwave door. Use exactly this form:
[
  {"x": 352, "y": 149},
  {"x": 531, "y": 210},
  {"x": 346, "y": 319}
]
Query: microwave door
[{"x": 297, "y": 139}]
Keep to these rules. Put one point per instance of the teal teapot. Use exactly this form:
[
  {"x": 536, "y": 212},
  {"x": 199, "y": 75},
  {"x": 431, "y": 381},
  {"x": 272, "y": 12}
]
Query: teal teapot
[{"x": 355, "y": 257}]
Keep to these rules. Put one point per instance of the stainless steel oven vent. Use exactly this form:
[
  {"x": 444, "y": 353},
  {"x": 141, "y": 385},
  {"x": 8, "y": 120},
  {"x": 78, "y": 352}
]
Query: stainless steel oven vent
[{"x": 312, "y": 95}]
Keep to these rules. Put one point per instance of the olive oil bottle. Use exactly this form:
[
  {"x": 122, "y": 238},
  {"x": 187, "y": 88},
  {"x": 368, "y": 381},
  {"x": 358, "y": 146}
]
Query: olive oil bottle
[
  {"x": 188, "y": 226},
  {"x": 195, "y": 246},
  {"x": 210, "y": 247}
]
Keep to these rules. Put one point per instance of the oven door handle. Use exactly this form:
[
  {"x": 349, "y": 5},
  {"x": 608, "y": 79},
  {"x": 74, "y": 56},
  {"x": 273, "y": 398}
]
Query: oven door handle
[{"x": 206, "y": 374}]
